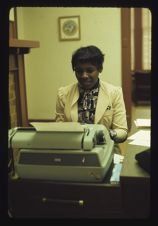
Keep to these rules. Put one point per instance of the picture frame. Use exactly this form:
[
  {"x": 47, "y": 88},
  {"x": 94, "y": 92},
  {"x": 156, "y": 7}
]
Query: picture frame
[{"x": 69, "y": 28}]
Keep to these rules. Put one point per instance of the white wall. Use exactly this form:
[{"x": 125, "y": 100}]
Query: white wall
[{"x": 49, "y": 67}]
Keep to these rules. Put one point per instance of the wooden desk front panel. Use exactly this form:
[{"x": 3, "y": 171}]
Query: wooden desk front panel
[{"x": 31, "y": 198}]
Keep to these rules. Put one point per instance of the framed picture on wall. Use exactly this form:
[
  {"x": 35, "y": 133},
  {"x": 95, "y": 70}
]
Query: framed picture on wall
[{"x": 69, "y": 28}]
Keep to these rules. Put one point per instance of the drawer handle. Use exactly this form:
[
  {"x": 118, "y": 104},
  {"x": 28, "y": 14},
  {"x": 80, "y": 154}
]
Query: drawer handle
[{"x": 64, "y": 201}]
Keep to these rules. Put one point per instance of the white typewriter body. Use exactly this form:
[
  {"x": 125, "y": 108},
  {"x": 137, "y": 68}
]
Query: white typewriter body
[{"x": 65, "y": 151}]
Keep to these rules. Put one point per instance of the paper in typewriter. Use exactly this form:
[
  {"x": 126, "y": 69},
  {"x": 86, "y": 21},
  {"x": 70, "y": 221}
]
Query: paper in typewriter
[{"x": 58, "y": 126}]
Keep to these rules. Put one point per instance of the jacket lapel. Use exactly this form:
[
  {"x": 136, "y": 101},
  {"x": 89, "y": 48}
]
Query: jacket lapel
[
  {"x": 102, "y": 103},
  {"x": 74, "y": 105}
]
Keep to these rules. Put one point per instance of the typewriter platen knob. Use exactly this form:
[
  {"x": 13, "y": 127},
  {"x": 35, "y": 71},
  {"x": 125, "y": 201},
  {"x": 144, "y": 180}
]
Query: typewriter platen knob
[{"x": 100, "y": 137}]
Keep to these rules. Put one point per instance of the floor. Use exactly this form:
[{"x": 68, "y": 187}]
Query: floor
[{"x": 143, "y": 111}]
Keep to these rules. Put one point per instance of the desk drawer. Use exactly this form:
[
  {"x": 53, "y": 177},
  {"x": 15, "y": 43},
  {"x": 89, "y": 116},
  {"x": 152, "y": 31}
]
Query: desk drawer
[{"x": 35, "y": 199}]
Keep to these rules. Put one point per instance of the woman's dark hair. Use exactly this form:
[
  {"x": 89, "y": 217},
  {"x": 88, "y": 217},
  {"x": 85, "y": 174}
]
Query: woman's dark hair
[{"x": 88, "y": 54}]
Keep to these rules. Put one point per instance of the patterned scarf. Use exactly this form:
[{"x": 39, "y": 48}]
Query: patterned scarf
[{"x": 87, "y": 104}]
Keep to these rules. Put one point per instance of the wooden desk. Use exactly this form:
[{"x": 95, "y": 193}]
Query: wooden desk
[
  {"x": 135, "y": 185},
  {"x": 38, "y": 198}
]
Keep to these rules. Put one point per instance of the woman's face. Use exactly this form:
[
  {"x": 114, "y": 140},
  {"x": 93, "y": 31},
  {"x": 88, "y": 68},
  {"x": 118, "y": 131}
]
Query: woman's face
[{"x": 87, "y": 75}]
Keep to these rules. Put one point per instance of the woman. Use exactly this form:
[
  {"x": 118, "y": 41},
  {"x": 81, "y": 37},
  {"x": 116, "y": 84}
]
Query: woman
[{"x": 91, "y": 100}]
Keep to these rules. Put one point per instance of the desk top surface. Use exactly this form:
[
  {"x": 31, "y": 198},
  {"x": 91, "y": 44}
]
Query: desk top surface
[{"x": 130, "y": 166}]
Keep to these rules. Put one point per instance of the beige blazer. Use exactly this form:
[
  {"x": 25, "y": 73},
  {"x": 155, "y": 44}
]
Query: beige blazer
[{"x": 110, "y": 109}]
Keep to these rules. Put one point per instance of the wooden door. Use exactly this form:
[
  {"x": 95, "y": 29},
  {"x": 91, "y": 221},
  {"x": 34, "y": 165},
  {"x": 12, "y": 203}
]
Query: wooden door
[{"x": 126, "y": 61}]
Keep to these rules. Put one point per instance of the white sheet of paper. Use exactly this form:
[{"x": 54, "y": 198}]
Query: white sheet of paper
[
  {"x": 143, "y": 122},
  {"x": 118, "y": 158},
  {"x": 145, "y": 143},
  {"x": 57, "y": 126},
  {"x": 141, "y": 134},
  {"x": 142, "y": 138}
]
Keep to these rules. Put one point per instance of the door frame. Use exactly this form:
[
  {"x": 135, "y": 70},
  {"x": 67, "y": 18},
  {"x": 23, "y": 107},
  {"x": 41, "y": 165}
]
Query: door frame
[{"x": 126, "y": 61}]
